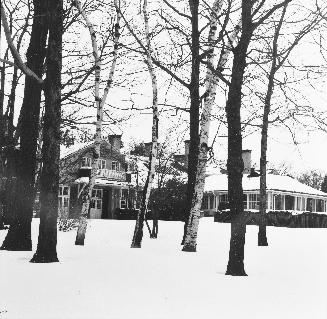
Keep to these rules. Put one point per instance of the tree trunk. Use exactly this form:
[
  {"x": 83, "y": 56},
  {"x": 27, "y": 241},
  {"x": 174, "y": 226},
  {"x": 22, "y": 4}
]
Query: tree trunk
[
  {"x": 190, "y": 234},
  {"x": 81, "y": 231},
  {"x": 138, "y": 231},
  {"x": 47, "y": 242},
  {"x": 155, "y": 227},
  {"x": 2, "y": 226},
  {"x": 19, "y": 234},
  {"x": 234, "y": 162},
  {"x": 2, "y": 118},
  {"x": 262, "y": 236},
  {"x": 80, "y": 236},
  {"x": 209, "y": 99},
  {"x": 194, "y": 112}
]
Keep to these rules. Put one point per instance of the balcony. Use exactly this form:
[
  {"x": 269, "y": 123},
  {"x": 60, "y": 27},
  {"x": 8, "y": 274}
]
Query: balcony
[{"x": 111, "y": 174}]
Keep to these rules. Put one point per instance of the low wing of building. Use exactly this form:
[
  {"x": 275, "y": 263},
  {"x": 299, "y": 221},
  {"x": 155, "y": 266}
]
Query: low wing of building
[{"x": 283, "y": 193}]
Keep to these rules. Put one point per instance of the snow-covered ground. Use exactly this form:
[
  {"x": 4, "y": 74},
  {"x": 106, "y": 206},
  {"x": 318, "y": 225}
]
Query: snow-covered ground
[{"x": 107, "y": 279}]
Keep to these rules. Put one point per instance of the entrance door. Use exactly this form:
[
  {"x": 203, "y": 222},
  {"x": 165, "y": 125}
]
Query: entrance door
[
  {"x": 105, "y": 206},
  {"x": 96, "y": 204}
]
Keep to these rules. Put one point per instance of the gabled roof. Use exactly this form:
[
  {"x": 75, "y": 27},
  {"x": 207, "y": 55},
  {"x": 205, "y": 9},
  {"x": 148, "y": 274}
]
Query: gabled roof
[
  {"x": 287, "y": 184},
  {"x": 65, "y": 151},
  {"x": 79, "y": 148}
]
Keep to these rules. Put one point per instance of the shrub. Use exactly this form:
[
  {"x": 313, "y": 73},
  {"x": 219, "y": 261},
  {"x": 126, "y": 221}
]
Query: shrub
[{"x": 67, "y": 224}]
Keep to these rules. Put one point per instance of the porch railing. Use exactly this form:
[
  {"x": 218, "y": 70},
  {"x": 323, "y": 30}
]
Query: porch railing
[{"x": 111, "y": 174}]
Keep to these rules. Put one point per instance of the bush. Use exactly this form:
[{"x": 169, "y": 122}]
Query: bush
[
  {"x": 66, "y": 224},
  {"x": 169, "y": 201},
  {"x": 125, "y": 213},
  {"x": 279, "y": 219}
]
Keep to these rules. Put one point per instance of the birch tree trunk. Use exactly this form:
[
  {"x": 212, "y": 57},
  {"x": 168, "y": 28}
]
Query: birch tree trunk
[
  {"x": 209, "y": 99},
  {"x": 81, "y": 231},
  {"x": 80, "y": 236},
  {"x": 138, "y": 231},
  {"x": 190, "y": 234},
  {"x": 47, "y": 242},
  {"x": 19, "y": 234}
]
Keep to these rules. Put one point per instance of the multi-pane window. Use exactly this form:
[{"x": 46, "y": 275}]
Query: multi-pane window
[
  {"x": 86, "y": 162},
  {"x": 303, "y": 203},
  {"x": 223, "y": 202},
  {"x": 254, "y": 201},
  {"x": 63, "y": 197},
  {"x": 101, "y": 163},
  {"x": 211, "y": 201},
  {"x": 289, "y": 202},
  {"x": 124, "y": 198},
  {"x": 96, "y": 199},
  {"x": 115, "y": 166},
  {"x": 270, "y": 202},
  {"x": 245, "y": 201},
  {"x": 205, "y": 200},
  {"x": 320, "y": 205},
  {"x": 298, "y": 203},
  {"x": 208, "y": 201},
  {"x": 310, "y": 204},
  {"x": 278, "y": 202}
]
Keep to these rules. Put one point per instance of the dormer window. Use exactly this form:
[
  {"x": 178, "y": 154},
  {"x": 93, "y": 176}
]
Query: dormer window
[
  {"x": 115, "y": 166},
  {"x": 86, "y": 162},
  {"x": 101, "y": 164}
]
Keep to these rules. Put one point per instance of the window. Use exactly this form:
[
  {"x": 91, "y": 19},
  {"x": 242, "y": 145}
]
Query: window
[
  {"x": 320, "y": 205},
  {"x": 289, "y": 202},
  {"x": 101, "y": 163},
  {"x": 96, "y": 199},
  {"x": 270, "y": 202},
  {"x": 223, "y": 202},
  {"x": 63, "y": 197},
  {"x": 309, "y": 204},
  {"x": 86, "y": 162},
  {"x": 115, "y": 166},
  {"x": 124, "y": 198},
  {"x": 205, "y": 200},
  {"x": 298, "y": 203},
  {"x": 245, "y": 201},
  {"x": 278, "y": 202},
  {"x": 211, "y": 201},
  {"x": 303, "y": 203},
  {"x": 254, "y": 201}
]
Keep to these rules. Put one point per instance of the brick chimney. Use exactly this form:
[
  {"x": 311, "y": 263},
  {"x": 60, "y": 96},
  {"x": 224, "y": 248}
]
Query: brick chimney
[
  {"x": 187, "y": 146},
  {"x": 246, "y": 156},
  {"x": 115, "y": 141}
]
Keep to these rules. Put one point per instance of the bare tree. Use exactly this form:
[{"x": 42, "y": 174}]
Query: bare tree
[
  {"x": 19, "y": 234},
  {"x": 235, "y": 265},
  {"x": 279, "y": 57},
  {"x": 99, "y": 106},
  {"x": 47, "y": 242},
  {"x": 209, "y": 99},
  {"x": 138, "y": 231}
]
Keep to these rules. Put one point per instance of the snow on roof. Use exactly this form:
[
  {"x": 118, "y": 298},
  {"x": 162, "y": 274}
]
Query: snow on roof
[
  {"x": 65, "y": 151},
  {"x": 142, "y": 164},
  {"x": 274, "y": 182}
]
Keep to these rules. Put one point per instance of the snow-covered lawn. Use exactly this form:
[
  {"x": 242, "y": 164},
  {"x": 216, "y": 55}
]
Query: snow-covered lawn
[{"x": 107, "y": 279}]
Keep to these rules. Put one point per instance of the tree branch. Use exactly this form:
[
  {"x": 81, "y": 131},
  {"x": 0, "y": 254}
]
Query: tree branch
[{"x": 19, "y": 62}]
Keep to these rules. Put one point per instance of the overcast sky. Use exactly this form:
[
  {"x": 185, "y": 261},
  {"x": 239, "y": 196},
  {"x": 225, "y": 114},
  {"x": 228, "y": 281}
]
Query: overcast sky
[{"x": 309, "y": 152}]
